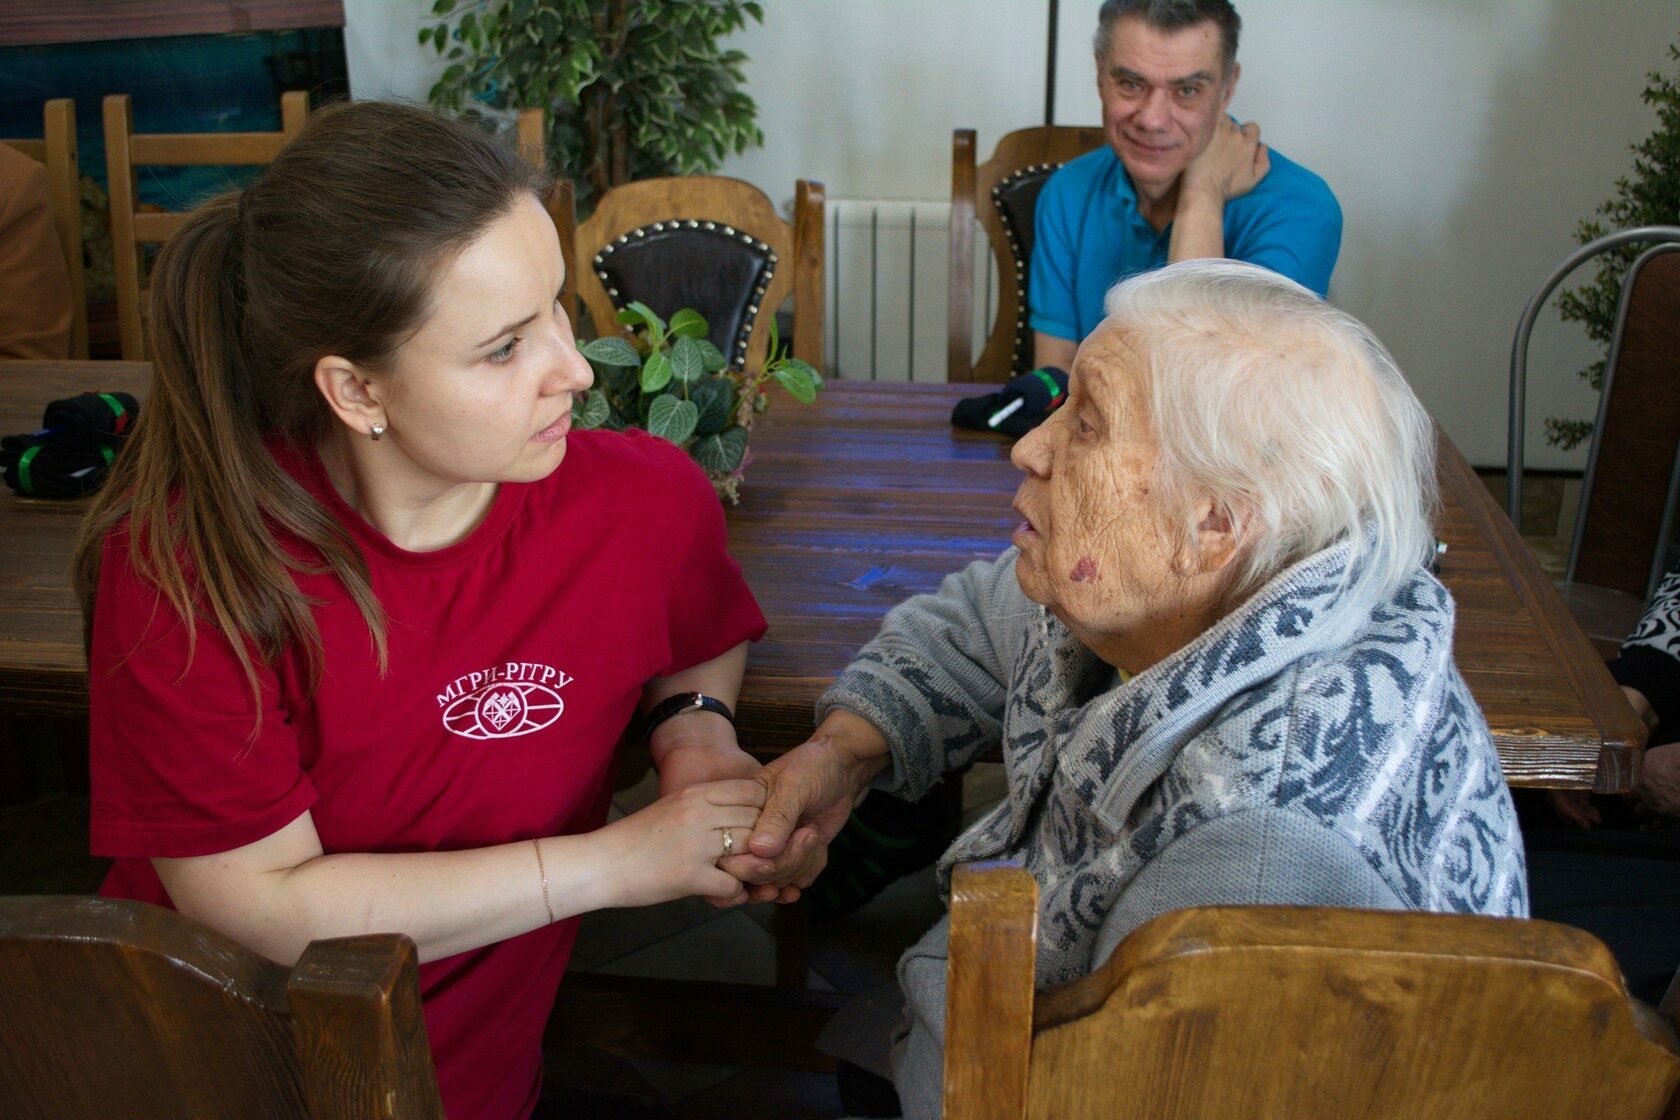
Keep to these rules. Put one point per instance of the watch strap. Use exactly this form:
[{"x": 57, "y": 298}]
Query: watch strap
[{"x": 680, "y": 703}]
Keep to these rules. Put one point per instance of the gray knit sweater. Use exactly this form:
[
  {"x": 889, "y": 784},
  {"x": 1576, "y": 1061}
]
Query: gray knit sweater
[{"x": 1309, "y": 748}]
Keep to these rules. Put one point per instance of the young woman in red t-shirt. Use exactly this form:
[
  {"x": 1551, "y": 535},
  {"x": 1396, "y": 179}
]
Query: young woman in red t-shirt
[{"x": 366, "y": 620}]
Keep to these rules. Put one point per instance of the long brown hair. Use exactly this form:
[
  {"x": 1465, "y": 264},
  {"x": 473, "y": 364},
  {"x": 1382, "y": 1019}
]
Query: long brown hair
[{"x": 333, "y": 251}]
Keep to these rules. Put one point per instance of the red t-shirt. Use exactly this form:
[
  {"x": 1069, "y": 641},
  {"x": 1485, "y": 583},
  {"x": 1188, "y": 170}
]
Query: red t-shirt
[{"x": 517, "y": 657}]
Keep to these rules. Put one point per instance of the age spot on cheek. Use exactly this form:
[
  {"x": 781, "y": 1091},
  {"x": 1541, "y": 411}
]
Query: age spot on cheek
[{"x": 1085, "y": 571}]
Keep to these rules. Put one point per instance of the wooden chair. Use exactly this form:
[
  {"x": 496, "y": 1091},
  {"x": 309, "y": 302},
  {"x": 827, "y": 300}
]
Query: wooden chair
[
  {"x": 131, "y": 227},
  {"x": 1626, "y": 514},
  {"x": 561, "y": 204},
  {"x": 1002, "y": 193},
  {"x": 115, "y": 1008},
  {"x": 1234, "y": 1012},
  {"x": 713, "y": 244},
  {"x": 57, "y": 149}
]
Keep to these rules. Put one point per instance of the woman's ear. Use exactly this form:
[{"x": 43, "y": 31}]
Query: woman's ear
[
  {"x": 1217, "y": 537},
  {"x": 353, "y": 395}
]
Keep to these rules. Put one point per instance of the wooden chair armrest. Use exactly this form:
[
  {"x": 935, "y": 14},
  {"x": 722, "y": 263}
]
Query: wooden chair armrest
[
  {"x": 348, "y": 1071},
  {"x": 989, "y": 993}
]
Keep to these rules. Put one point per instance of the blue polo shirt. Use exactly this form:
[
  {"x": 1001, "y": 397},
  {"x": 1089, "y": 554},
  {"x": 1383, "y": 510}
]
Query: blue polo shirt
[{"x": 1088, "y": 234}]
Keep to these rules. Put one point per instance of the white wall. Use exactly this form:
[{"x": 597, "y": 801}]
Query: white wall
[{"x": 1465, "y": 140}]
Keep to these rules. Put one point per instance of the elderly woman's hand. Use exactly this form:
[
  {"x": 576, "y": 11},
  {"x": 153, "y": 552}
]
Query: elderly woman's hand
[
  {"x": 1658, "y": 790},
  {"x": 810, "y": 792}
]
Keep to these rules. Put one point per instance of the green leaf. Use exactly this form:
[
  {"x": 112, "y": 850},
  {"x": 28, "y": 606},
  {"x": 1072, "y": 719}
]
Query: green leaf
[
  {"x": 590, "y": 410},
  {"x": 715, "y": 398},
  {"x": 800, "y": 379},
  {"x": 655, "y": 325},
  {"x": 711, "y": 356},
  {"x": 656, "y": 373},
  {"x": 612, "y": 351},
  {"x": 673, "y": 418},
  {"x": 688, "y": 323},
  {"x": 687, "y": 363},
  {"x": 629, "y": 317},
  {"x": 443, "y": 7},
  {"x": 722, "y": 452}
]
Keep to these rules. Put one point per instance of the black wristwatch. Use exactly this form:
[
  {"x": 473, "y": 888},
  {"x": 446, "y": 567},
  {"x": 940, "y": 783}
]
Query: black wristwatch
[{"x": 680, "y": 703}]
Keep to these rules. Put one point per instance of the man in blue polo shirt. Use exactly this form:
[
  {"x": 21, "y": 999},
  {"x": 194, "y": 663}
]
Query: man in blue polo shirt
[{"x": 1179, "y": 179}]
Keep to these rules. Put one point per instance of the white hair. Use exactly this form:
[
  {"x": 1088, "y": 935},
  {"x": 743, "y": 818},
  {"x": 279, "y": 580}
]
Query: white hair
[{"x": 1288, "y": 414}]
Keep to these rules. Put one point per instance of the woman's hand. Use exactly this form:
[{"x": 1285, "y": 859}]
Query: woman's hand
[
  {"x": 1574, "y": 807},
  {"x": 811, "y": 791},
  {"x": 1641, "y": 705},
  {"x": 1658, "y": 789},
  {"x": 671, "y": 848}
]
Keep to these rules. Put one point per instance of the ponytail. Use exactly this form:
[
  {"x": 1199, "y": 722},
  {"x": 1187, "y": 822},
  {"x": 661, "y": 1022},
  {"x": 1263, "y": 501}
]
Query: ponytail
[{"x": 200, "y": 492}]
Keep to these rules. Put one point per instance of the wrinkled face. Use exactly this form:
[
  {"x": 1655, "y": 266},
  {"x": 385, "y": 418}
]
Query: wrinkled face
[
  {"x": 1094, "y": 547},
  {"x": 1163, "y": 93},
  {"x": 483, "y": 391}
]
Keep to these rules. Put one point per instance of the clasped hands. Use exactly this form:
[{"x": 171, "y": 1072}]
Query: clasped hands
[{"x": 808, "y": 794}]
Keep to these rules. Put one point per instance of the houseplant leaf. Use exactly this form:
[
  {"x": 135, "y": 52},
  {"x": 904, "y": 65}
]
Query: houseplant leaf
[
  {"x": 687, "y": 363},
  {"x": 722, "y": 452},
  {"x": 715, "y": 398},
  {"x": 656, "y": 374},
  {"x": 590, "y": 410},
  {"x": 711, "y": 356},
  {"x": 688, "y": 323},
  {"x": 673, "y": 418},
  {"x": 612, "y": 351},
  {"x": 655, "y": 325},
  {"x": 800, "y": 379}
]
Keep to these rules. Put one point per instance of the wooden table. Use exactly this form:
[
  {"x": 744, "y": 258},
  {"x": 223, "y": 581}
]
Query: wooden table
[{"x": 870, "y": 496}]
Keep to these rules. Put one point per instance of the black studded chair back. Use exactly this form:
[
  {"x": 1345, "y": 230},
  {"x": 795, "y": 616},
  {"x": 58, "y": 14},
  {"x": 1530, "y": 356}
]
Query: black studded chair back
[
  {"x": 715, "y": 245},
  {"x": 717, "y": 270},
  {"x": 1001, "y": 196}
]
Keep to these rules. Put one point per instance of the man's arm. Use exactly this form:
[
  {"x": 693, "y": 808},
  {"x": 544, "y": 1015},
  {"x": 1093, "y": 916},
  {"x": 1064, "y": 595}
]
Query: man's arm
[
  {"x": 1229, "y": 167},
  {"x": 1048, "y": 350}
]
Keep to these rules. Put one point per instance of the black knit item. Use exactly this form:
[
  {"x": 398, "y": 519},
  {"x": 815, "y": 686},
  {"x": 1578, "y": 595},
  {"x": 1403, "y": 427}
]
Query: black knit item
[
  {"x": 72, "y": 451},
  {"x": 92, "y": 419}
]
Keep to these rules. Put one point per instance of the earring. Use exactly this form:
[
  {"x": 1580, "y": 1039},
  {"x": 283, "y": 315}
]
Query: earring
[{"x": 378, "y": 430}]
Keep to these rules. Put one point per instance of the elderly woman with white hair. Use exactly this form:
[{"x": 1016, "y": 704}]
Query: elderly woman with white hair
[{"x": 1214, "y": 657}]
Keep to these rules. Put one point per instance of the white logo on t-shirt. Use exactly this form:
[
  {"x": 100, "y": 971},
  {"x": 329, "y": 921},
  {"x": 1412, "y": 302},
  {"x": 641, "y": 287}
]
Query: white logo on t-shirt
[{"x": 515, "y": 698}]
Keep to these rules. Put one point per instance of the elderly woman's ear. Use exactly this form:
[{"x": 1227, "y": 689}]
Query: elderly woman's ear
[{"x": 1217, "y": 540}]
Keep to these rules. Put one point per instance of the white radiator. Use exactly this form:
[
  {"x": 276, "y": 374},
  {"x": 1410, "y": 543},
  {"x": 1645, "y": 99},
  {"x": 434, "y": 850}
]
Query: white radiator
[{"x": 888, "y": 263}]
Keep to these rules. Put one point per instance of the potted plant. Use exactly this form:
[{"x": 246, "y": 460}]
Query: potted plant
[
  {"x": 1650, "y": 196},
  {"x": 635, "y": 89},
  {"x": 669, "y": 379}
]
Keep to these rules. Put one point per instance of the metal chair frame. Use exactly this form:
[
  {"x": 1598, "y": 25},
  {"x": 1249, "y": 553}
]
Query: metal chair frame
[{"x": 1668, "y": 238}]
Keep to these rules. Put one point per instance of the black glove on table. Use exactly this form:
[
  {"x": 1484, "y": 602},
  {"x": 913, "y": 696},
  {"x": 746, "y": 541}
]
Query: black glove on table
[
  {"x": 70, "y": 454},
  {"x": 1017, "y": 408}
]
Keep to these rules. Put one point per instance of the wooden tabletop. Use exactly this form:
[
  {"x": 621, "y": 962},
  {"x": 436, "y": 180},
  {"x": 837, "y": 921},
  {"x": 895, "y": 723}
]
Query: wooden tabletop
[{"x": 870, "y": 496}]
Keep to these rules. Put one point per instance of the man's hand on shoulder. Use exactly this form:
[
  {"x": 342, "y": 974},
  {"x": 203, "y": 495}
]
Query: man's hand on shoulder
[{"x": 1230, "y": 166}]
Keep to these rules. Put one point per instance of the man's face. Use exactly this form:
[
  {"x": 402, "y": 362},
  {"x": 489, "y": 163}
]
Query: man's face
[{"x": 1163, "y": 93}]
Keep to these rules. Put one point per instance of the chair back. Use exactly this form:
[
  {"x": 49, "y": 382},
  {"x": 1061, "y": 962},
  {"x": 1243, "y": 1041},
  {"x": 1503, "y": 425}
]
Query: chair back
[
  {"x": 131, "y": 227},
  {"x": 1236, "y": 1012},
  {"x": 116, "y": 1008},
  {"x": 1002, "y": 194},
  {"x": 713, "y": 244},
  {"x": 1626, "y": 511},
  {"x": 57, "y": 150}
]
